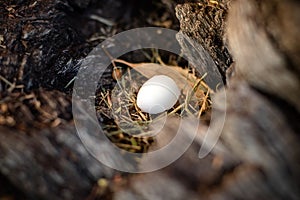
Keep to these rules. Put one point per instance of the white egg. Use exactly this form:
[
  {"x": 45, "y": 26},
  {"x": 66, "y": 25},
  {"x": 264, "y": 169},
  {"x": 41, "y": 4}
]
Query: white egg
[{"x": 158, "y": 94}]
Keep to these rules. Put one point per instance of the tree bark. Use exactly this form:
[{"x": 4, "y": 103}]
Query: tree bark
[
  {"x": 40, "y": 152},
  {"x": 257, "y": 155},
  {"x": 260, "y": 130}
]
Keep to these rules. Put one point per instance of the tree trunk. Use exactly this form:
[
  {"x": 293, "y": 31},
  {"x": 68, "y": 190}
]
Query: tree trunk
[
  {"x": 261, "y": 128},
  {"x": 255, "y": 47}
]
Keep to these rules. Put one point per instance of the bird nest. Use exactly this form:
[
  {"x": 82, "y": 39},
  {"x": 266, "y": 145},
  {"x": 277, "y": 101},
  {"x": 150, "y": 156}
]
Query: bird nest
[{"x": 126, "y": 125}]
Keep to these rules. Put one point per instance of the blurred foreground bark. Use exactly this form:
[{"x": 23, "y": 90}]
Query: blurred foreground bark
[{"x": 40, "y": 152}]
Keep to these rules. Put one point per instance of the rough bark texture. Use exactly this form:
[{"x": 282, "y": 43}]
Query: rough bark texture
[{"x": 204, "y": 22}]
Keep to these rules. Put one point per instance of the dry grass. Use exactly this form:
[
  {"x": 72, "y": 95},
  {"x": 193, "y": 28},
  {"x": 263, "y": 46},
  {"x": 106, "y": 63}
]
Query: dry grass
[{"x": 128, "y": 127}]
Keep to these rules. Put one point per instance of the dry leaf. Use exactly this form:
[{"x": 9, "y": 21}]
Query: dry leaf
[{"x": 184, "y": 80}]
